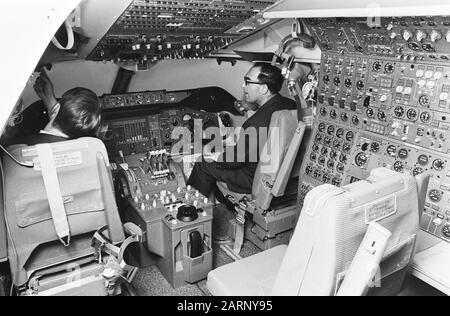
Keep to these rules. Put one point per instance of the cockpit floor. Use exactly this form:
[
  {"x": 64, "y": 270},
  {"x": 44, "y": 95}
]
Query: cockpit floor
[{"x": 150, "y": 282}]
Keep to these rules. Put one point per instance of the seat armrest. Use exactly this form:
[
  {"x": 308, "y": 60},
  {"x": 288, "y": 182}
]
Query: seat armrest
[
  {"x": 366, "y": 262},
  {"x": 132, "y": 229}
]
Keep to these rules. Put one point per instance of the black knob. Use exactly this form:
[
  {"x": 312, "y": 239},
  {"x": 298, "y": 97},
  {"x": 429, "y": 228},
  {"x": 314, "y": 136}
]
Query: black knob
[{"x": 187, "y": 214}]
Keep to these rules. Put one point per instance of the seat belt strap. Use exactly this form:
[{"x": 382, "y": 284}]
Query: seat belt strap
[
  {"x": 53, "y": 190},
  {"x": 240, "y": 228}
]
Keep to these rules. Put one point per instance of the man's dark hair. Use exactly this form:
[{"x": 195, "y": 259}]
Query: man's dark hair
[
  {"x": 80, "y": 113},
  {"x": 271, "y": 76}
]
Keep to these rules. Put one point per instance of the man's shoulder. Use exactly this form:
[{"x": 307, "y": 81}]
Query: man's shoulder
[
  {"x": 286, "y": 103},
  {"x": 38, "y": 139}
]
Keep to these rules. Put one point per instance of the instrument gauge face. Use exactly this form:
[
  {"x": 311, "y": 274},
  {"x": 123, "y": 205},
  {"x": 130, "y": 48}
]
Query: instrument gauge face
[
  {"x": 411, "y": 114},
  {"x": 322, "y": 127},
  {"x": 337, "y": 81},
  {"x": 333, "y": 114},
  {"x": 340, "y": 133},
  {"x": 435, "y": 196},
  {"x": 350, "y": 136},
  {"x": 361, "y": 159},
  {"x": 438, "y": 165},
  {"x": 330, "y": 130},
  {"x": 389, "y": 68},
  {"x": 348, "y": 83},
  {"x": 360, "y": 85},
  {"x": 399, "y": 111},
  {"x": 346, "y": 148},
  {"x": 446, "y": 231},
  {"x": 391, "y": 150},
  {"x": 424, "y": 100},
  {"x": 425, "y": 117},
  {"x": 370, "y": 113},
  {"x": 417, "y": 171},
  {"x": 376, "y": 66},
  {"x": 423, "y": 160},
  {"x": 375, "y": 147},
  {"x": 399, "y": 166}
]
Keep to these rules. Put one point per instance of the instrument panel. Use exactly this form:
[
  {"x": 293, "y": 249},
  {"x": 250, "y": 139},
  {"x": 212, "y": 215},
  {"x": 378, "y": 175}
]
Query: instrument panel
[
  {"x": 383, "y": 101},
  {"x": 149, "y": 31},
  {"x": 142, "y": 134}
]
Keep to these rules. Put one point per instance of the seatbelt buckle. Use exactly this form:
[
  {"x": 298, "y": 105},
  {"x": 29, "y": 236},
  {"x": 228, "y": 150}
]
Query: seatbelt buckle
[{"x": 240, "y": 216}]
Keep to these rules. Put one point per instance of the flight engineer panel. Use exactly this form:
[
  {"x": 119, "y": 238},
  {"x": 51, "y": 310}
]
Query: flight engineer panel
[{"x": 384, "y": 101}]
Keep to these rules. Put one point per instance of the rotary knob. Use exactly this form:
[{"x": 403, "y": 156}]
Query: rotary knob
[
  {"x": 407, "y": 35},
  {"x": 187, "y": 214},
  {"x": 435, "y": 35},
  {"x": 421, "y": 35}
]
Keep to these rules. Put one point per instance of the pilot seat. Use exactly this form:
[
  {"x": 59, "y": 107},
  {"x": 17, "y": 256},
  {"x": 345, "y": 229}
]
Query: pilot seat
[
  {"x": 273, "y": 216},
  {"x": 65, "y": 236},
  {"x": 354, "y": 240}
]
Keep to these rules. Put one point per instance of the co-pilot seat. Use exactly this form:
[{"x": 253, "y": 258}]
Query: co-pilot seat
[
  {"x": 49, "y": 236},
  {"x": 271, "y": 225},
  {"x": 354, "y": 240}
]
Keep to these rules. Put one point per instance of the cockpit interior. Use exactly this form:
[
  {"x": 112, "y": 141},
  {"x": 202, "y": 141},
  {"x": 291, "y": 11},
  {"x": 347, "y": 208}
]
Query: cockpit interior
[{"x": 350, "y": 191}]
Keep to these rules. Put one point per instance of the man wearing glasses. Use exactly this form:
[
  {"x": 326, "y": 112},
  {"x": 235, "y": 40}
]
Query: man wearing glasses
[{"x": 261, "y": 88}]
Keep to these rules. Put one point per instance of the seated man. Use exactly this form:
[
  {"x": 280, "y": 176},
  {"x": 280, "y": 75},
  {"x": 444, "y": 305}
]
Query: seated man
[
  {"x": 77, "y": 114},
  {"x": 261, "y": 88}
]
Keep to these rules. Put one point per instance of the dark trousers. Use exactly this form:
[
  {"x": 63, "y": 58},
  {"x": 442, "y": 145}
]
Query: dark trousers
[{"x": 205, "y": 175}]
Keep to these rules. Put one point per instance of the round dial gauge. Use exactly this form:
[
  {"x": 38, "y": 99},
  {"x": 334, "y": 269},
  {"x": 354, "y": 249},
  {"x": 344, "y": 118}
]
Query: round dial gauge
[
  {"x": 361, "y": 159},
  {"x": 322, "y": 127},
  {"x": 375, "y": 147},
  {"x": 417, "y": 171},
  {"x": 350, "y": 136},
  {"x": 337, "y": 81},
  {"x": 446, "y": 231},
  {"x": 425, "y": 117},
  {"x": 330, "y": 130},
  {"x": 423, "y": 160},
  {"x": 346, "y": 148},
  {"x": 348, "y": 83},
  {"x": 376, "y": 66},
  {"x": 391, "y": 150},
  {"x": 399, "y": 111},
  {"x": 424, "y": 100},
  {"x": 435, "y": 196},
  {"x": 344, "y": 117},
  {"x": 411, "y": 114},
  {"x": 370, "y": 113},
  {"x": 399, "y": 166},
  {"x": 389, "y": 68},
  {"x": 360, "y": 85},
  {"x": 438, "y": 165},
  {"x": 333, "y": 114}
]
